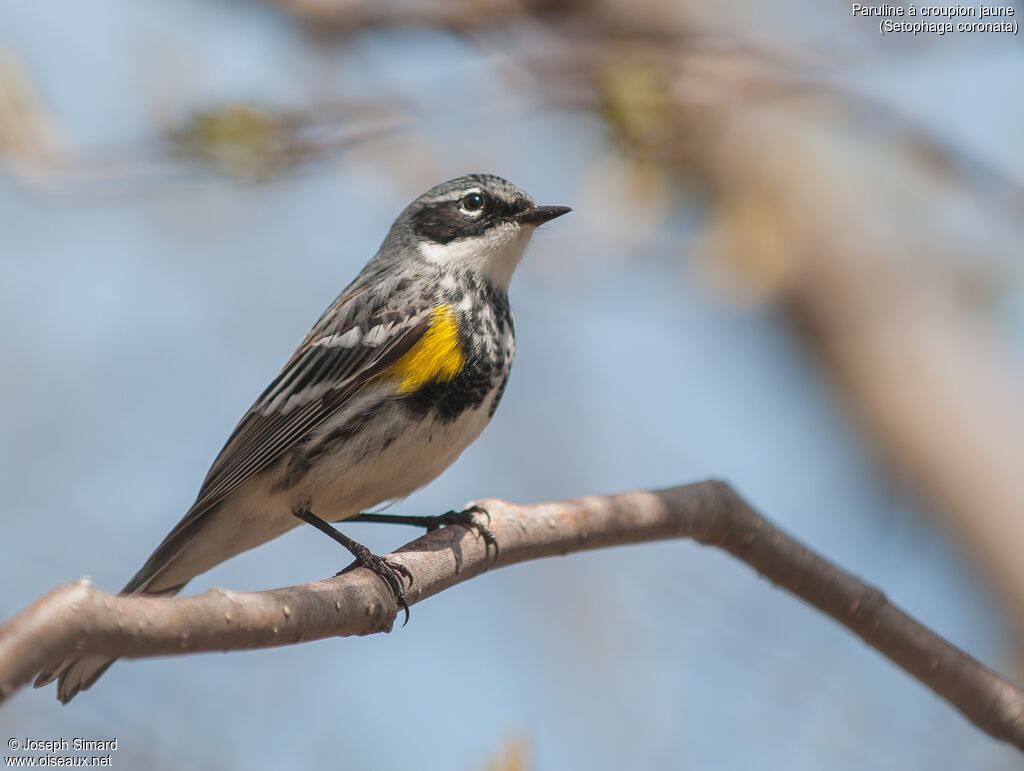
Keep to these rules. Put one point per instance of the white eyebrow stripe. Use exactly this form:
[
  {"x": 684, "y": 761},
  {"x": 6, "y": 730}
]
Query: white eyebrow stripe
[{"x": 454, "y": 197}]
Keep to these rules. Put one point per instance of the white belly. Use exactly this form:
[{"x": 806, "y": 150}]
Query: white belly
[
  {"x": 359, "y": 476},
  {"x": 365, "y": 475}
]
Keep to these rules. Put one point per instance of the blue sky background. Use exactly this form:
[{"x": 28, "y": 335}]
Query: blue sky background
[{"x": 136, "y": 325}]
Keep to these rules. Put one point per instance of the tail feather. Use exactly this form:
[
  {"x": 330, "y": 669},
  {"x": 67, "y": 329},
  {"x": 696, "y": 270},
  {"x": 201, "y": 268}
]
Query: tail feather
[
  {"x": 74, "y": 675},
  {"x": 77, "y": 674},
  {"x": 172, "y": 564}
]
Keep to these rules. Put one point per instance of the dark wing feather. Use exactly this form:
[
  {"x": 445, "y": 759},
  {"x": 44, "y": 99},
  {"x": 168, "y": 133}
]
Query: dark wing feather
[
  {"x": 316, "y": 382},
  {"x": 263, "y": 435}
]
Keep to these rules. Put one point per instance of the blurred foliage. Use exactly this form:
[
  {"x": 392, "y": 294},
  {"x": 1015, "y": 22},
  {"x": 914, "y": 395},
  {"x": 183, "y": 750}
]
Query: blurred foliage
[
  {"x": 28, "y": 138},
  {"x": 633, "y": 100},
  {"x": 513, "y": 756},
  {"x": 257, "y": 143},
  {"x": 242, "y": 140}
]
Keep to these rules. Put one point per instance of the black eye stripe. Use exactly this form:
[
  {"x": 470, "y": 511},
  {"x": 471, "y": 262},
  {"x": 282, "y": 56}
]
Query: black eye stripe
[{"x": 446, "y": 221}]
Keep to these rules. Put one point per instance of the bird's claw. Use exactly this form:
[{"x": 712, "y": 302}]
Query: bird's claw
[
  {"x": 392, "y": 573},
  {"x": 468, "y": 519}
]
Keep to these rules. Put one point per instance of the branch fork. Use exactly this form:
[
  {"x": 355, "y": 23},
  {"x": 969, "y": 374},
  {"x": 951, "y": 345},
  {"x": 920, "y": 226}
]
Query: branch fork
[{"x": 79, "y": 618}]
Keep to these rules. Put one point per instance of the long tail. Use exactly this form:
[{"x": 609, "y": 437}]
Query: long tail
[
  {"x": 201, "y": 540},
  {"x": 79, "y": 673}
]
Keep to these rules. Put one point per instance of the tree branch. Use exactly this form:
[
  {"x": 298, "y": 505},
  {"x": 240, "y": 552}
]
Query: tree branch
[{"x": 77, "y": 618}]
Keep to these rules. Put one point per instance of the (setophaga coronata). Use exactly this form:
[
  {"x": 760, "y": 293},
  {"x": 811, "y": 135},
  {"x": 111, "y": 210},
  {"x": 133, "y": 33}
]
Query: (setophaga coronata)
[{"x": 400, "y": 374}]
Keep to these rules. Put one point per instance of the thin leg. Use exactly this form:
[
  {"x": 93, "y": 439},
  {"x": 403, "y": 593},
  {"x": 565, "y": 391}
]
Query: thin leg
[
  {"x": 391, "y": 572},
  {"x": 466, "y": 518}
]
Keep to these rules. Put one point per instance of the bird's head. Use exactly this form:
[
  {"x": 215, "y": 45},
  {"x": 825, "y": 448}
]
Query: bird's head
[{"x": 478, "y": 222}]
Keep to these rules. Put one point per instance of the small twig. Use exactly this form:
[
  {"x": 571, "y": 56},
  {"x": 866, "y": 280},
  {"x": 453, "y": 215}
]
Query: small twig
[
  {"x": 78, "y": 618},
  {"x": 354, "y": 16}
]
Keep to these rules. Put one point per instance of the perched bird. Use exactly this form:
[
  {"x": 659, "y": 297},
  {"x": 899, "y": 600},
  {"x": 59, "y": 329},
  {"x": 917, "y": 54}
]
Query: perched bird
[{"x": 400, "y": 374}]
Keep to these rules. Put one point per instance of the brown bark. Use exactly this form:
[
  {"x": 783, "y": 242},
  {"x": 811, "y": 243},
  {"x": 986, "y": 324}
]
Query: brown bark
[{"x": 78, "y": 618}]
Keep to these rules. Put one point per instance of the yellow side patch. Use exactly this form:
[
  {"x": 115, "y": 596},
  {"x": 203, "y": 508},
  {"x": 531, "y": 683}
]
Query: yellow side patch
[{"x": 436, "y": 357}]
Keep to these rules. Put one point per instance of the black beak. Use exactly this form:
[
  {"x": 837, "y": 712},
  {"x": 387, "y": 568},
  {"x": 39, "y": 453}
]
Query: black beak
[{"x": 538, "y": 215}]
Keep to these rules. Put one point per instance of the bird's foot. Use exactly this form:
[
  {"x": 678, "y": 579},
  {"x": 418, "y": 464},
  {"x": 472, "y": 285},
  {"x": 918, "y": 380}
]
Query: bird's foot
[
  {"x": 392, "y": 572},
  {"x": 468, "y": 519}
]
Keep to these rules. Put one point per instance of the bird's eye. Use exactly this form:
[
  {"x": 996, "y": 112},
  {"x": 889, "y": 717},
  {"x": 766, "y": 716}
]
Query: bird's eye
[{"x": 473, "y": 202}]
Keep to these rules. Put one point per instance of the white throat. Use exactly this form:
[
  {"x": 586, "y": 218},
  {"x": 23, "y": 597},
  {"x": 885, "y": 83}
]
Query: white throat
[{"x": 494, "y": 254}]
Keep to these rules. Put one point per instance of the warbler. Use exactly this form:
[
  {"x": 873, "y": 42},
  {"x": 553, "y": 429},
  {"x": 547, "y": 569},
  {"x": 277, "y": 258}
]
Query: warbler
[{"x": 399, "y": 375}]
